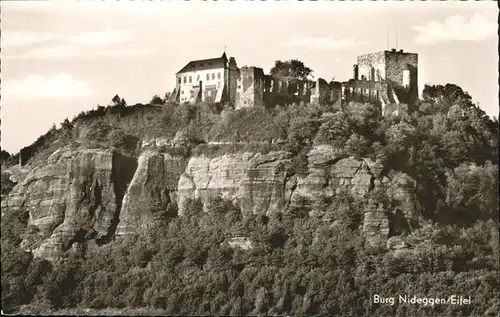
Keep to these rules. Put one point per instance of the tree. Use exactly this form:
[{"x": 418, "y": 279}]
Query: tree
[
  {"x": 66, "y": 125},
  {"x": 118, "y": 102},
  {"x": 334, "y": 130},
  {"x": 119, "y": 139},
  {"x": 156, "y": 100},
  {"x": 448, "y": 95},
  {"x": 291, "y": 68},
  {"x": 98, "y": 132},
  {"x": 167, "y": 96},
  {"x": 116, "y": 99},
  {"x": 4, "y": 155},
  {"x": 6, "y": 184},
  {"x": 472, "y": 191},
  {"x": 357, "y": 145}
]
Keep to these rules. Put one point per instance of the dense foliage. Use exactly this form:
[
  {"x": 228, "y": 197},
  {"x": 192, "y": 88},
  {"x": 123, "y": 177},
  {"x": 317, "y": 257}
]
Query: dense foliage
[
  {"x": 291, "y": 68},
  {"x": 299, "y": 264}
]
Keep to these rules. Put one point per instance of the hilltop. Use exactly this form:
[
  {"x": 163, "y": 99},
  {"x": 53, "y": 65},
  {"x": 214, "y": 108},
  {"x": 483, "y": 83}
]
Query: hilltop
[{"x": 294, "y": 209}]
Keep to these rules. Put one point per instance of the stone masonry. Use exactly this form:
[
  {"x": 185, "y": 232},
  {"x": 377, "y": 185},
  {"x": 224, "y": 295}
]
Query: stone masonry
[{"x": 386, "y": 78}]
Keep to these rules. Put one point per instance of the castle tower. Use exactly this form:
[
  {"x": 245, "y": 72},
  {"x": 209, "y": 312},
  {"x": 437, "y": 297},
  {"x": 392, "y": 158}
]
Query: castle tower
[
  {"x": 394, "y": 67},
  {"x": 250, "y": 87},
  {"x": 355, "y": 71},
  {"x": 232, "y": 73}
]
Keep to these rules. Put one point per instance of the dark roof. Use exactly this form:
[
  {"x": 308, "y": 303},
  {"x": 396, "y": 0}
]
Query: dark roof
[{"x": 204, "y": 64}]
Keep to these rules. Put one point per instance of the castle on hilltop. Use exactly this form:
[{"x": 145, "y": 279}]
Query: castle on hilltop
[{"x": 386, "y": 78}]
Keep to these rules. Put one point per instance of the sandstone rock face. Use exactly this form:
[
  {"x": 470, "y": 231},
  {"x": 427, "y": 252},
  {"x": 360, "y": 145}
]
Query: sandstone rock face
[
  {"x": 396, "y": 243},
  {"x": 376, "y": 227},
  {"x": 74, "y": 197},
  {"x": 375, "y": 167},
  {"x": 263, "y": 188},
  {"x": 402, "y": 188},
  {"x": 155, "y": 142},
  {"x": 84, "y": 198},
  {"x": 255, "y": 181},
  {"x": 16, "y": 173},
  {"x": 153, "y": 185},
  {"x": 205, "y": 177},
  {"x": 330, "y": 174},
  {"x": 243, "y": 243}
]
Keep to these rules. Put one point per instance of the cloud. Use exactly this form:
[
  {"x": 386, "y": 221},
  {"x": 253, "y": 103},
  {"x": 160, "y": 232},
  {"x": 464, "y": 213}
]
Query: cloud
[
  {"x": 102, "y": 43},
  {"x": 101, "y": 8},
  {"x": 36, "y": 87},
  {"x": 22, "y": 38},
  {"x": 457, "y": 28},
  {"x": 123, "y": 52},
  {"x": 74, "y": 51},
  {"x": 324, "y": 43},
  {"x": 55, "y": 51},
  {"x": 157, "y": 8},
  {"x": 97, "y": 38},
  {"x": 102, "y": 37}
]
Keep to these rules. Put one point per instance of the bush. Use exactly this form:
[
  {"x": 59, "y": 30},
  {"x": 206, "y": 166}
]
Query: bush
[
  {"x": 118, "y": 139},
  {"x": 6, "y": 184}
]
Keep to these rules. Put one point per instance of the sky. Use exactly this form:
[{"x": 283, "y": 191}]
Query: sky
[{"x": 59, "y": 58}]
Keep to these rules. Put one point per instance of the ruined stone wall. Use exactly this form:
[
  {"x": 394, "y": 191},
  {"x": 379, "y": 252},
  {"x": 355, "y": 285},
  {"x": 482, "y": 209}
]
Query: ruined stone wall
[
  {"x": 376, "y": 72},
  {"x": 327, "y": 93},
  {"x": 384, "y": 77},
  {"x": 402, "y": 69},
  {"x": 281, "y": 91},
  {"x": 292, "y": 86},
  {"x": 279, "y": 98},
  {"x": 372, "y": 63},
  {"x": 397, "y": 62},
  {"x": 276, "y": 91},
  {"x": 320, "y": 93},
  {"x": 363, "y": 91},
  {"x": 250, "y": 88},
  {"x": 231, "y": 75},
  {"x": 335, "y": 95}
]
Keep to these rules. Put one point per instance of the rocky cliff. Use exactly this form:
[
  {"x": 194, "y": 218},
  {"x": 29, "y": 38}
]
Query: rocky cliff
[
  {"x": 73, "y": 197},
  {"x": 82, "y": 197}
]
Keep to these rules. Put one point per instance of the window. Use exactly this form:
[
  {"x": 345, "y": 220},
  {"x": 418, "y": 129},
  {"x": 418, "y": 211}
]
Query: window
[
  {"x": 213, "y": 75},
  {"x": 208, "y": 76},
  {"x": 218, "y": 75},
  {"x": 198, "y": 78},
  {"x": 190, "y": 79},
  {"x": 406, "y": 78},
  {"x": 182, "y": 92},
  {"x": 209, "y": 93},
  {"x": 179, "y": 80},
  {"x": 185, "y": 78}
]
